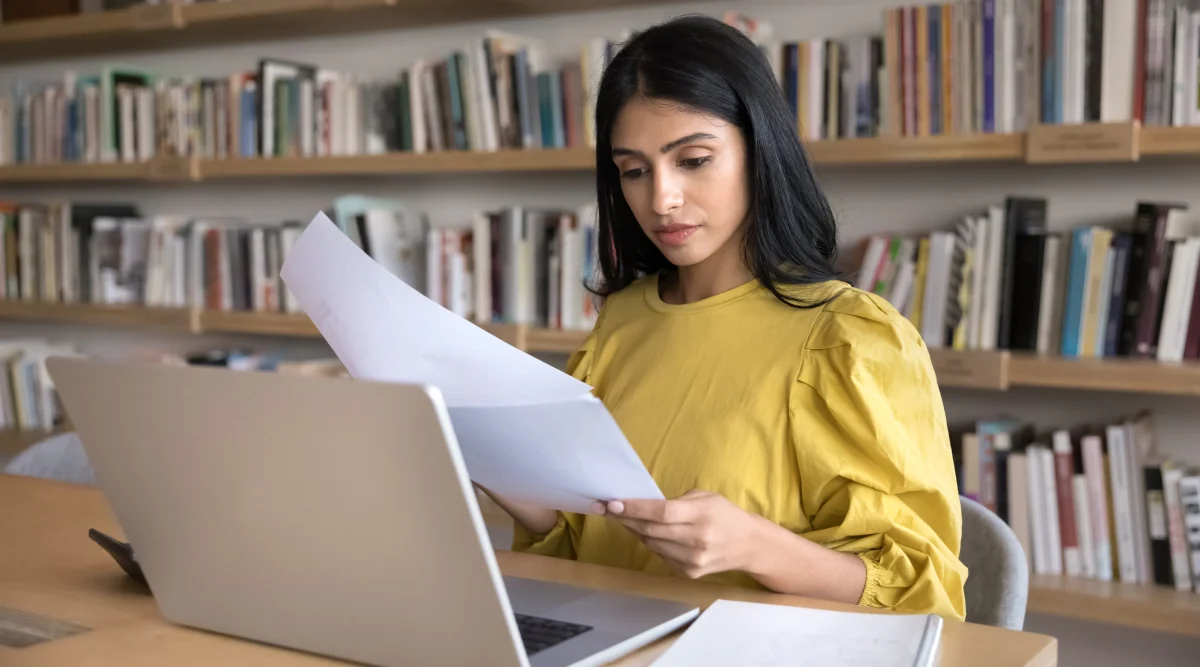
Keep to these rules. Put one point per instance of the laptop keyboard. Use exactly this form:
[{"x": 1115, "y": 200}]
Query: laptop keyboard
[{"x": 539, "y": 634}]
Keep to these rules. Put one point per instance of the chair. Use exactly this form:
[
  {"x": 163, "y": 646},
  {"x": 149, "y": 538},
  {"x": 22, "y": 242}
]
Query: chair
[
  {"x": 59, "y": 457},
  {"x": 997, "y": 587}
]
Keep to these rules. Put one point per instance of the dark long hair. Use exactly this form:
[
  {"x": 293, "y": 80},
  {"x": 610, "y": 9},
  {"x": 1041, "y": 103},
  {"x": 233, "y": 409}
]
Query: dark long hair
[{"x": 707, "y": 66}]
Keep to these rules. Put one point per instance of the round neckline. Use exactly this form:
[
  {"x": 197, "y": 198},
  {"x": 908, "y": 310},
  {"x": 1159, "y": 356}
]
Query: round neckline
[{"x": 656, "y": 303}]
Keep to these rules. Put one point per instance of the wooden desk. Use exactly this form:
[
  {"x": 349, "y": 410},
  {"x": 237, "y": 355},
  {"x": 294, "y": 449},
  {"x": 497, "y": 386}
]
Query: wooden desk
[{"x": 50, "y": 568}]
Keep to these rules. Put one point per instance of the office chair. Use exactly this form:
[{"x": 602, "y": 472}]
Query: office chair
[
  {"x": 997, "y": 587},
  {"x": 58, "y": 457}
]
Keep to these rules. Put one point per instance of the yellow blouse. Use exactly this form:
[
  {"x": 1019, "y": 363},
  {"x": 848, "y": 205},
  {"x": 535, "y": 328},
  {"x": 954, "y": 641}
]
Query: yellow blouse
[{"x": 827, "y": 421}]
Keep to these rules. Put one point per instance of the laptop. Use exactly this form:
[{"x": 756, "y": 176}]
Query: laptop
[{"x": 328, "y": 515}]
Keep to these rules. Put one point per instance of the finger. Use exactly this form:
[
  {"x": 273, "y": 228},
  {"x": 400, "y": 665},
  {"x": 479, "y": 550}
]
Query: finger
[
  {"x": 599, "y": 508},
  {"x": 659, "y": 511},
  {"x": 675, "y": 551},
  {"x": 664, "y": 531}
]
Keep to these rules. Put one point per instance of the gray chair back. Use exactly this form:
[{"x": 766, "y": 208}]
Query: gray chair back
[
  {"x": 997, "y": 587},
  {"x": 58, "y": 457}
]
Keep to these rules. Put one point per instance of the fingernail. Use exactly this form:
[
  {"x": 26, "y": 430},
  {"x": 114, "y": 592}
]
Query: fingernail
[
  {"x": 616, "y": 507},
  {"x": 598, "y": 507}
]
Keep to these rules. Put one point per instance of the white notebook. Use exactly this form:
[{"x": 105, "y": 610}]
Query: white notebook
[{"x": 765, "y": 635}]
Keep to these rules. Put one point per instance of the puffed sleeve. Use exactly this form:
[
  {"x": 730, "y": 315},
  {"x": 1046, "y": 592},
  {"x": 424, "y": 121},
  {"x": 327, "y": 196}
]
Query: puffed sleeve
[
  {"x": 560, "y": 541},
  {"x": 877, "y": 473}
]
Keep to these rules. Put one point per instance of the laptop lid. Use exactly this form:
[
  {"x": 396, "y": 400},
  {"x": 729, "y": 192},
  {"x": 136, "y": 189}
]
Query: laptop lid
[{"x": 328, "y": 515}]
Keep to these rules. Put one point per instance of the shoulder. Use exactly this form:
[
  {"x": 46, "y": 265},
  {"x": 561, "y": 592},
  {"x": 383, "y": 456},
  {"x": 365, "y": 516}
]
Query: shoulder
[
  {"x": 859, "y": 319},
  {"x": 859, "y": 340}
]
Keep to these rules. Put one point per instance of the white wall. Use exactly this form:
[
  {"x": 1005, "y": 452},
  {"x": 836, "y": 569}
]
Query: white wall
[{"x": 865, "y": 199}]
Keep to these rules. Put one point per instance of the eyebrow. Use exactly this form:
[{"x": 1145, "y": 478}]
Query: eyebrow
[{"x": 667, "y": 147}]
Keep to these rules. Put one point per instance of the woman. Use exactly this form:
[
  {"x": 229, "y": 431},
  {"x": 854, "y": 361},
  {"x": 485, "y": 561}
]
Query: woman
[{"x": 793, "y": 422}]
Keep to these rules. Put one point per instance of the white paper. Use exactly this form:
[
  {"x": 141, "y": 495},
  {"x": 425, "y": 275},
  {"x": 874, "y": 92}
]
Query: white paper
[
  {"x": 526, "y": 430},
  {"x": 382, "y": 329},
  {"x": 763, "y": 635},
  {"x": 558, "y": 455}
]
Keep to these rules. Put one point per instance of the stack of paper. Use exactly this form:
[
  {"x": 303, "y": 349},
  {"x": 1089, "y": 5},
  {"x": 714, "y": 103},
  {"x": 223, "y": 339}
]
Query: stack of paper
[
  {"x": 526, "y": 429},
  {"x": 763, "y": 635}
]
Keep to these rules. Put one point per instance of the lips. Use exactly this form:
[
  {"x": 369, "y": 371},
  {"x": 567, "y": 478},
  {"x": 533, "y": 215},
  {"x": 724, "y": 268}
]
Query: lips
[{"x": 675, "y": 234}]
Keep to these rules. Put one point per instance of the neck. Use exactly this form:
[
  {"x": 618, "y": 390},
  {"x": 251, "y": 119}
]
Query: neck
[{"x": 719, "y": 273}]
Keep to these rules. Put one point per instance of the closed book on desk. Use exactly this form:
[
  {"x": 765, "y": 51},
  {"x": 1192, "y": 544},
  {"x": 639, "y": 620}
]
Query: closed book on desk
[{"x": 749, "y": 633}]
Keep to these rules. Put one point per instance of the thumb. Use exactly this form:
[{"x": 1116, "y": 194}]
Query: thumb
[{"x": 694, "y": 494}]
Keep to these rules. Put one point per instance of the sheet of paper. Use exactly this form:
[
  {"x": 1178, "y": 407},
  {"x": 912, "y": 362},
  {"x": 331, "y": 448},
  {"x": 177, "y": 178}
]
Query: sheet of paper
[
  {"x": 762, "y": 635},
  {"x": 383, "y": 329},
  {"x": 526, "y": 429},
  {"x": 558, "y": 455}
]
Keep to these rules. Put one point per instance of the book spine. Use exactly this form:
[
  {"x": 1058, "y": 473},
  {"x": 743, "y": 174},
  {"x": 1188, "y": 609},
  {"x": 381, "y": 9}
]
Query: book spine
[
  {"x": 1156, "y": 517},
  {"x": 989, "y": 66},
  {"x": 1064, "y": 487},
  {"x": 1189, "y": 495},
  {"x": 1153, "y": 290},
  {"x": 1176, "y": 534},
  {"x": 1116, "y": 296}
]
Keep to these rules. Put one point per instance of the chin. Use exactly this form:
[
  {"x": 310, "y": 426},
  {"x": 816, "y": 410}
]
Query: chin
[{"x": 684, "y": 255}]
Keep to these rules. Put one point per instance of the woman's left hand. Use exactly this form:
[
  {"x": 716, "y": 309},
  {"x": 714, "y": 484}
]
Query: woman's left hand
[{"x": 697, "y": 534}]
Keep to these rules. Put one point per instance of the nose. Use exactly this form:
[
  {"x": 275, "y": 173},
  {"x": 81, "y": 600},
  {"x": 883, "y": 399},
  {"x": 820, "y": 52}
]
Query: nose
[{"x": 668, "y": 192}]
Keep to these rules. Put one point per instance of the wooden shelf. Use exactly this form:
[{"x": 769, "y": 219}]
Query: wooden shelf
[
  {"x": 266, "y": 324},
  {"x": 1120, "y": 374},
  {"x": 89, "y": 314},
  {"x": 874, "y": 151},
  {"x": 1170, "y": 141},
  {"x": 973, "y": 369},
  {"x": 913, "y": 150},
  {"x": 74, "y": 171},
  {"x": 1145, "y": 607},
  {"x": 443, "y": 162},
  {"x": 170, "y": 26}
]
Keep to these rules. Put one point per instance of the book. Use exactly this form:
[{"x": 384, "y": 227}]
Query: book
[{"x": 751, "y": 633}]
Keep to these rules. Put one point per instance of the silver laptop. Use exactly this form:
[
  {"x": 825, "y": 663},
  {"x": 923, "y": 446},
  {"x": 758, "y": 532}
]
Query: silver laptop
[{"x": 327, "y": 515}]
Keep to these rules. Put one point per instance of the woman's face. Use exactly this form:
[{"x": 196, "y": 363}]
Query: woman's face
[{"x": 684, "y": 177}]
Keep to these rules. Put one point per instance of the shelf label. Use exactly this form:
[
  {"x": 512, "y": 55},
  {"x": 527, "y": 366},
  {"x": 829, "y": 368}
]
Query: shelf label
[
  {"x": 973, "y": 369},
  {"x": 174, "y": 168},
  {"x": 165, "y": 16},
  {"x": 1093, "y": 142}
]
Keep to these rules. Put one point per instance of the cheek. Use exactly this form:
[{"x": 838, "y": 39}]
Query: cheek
[
  {"x": 722, "y": 193},
  {"x": 639, "y": 198}
]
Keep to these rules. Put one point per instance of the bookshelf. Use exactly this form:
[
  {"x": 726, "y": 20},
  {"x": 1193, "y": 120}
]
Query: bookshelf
[
  {"x": 170, "y": 26},
  {"x": 138, "y": 317},
  {"x": 1153, "y": 608},
  {"x": 970, "y": 369},
  {"x": 881, "y": 151},
  {"x": 444, "y": 162}
]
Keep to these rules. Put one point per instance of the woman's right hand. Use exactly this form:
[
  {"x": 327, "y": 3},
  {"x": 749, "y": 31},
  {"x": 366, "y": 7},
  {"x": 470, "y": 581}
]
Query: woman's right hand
[{"x": 537, "y": 520}]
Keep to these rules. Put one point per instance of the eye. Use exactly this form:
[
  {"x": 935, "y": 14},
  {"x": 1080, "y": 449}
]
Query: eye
[
  {"x": 632, "y": 174},
  {"x": 693, "y": 163}
]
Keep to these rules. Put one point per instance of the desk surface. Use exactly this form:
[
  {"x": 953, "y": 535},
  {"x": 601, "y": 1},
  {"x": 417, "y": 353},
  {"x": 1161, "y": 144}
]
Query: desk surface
[{"x": 49, "y": 568}]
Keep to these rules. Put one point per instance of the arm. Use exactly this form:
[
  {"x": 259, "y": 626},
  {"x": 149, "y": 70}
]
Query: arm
[
  {"x": 873, "y": 447},
  {"x": 536, "y": 520},
  {"x": 787, "y": 563},
  {"x": 702, "y": 533}
]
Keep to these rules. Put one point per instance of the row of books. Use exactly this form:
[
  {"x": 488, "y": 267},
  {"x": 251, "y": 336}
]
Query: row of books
[
  {"x": 993, "y": 66},
  {"x": 28, "y": 401},
  {"x": 499, "y": 91},
  {"x": 513, "y": 265},
  {"x": 973, "y": 66},
  {"x": 1094, "y": 501},
  {"x": 519, "y": 265},
  {"x": 1002, "y": 280}
]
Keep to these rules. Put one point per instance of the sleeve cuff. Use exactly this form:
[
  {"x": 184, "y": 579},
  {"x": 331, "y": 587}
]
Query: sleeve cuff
[
  {"x": 552, "y": 543},
  {"x": 870, "y": 594}
]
